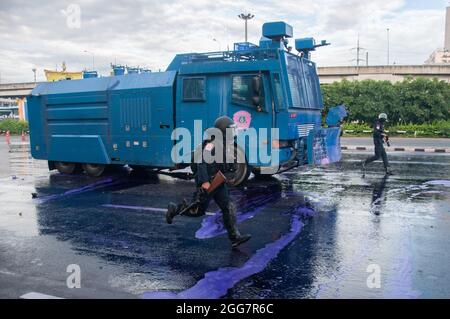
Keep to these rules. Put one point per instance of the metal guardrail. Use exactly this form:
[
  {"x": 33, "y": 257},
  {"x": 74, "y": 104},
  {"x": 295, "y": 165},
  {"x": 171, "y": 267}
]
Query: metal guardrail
[{"x": 231, "y": 56}]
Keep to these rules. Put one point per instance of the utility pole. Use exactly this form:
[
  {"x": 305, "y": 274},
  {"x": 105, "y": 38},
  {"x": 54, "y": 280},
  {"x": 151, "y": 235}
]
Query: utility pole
[
  {"x": 388, "y": 46},
  {"x": 358, "y": 53},
  {"x": 246, "y": 17},
  {"x": 367, "y": 58},
  {"x": 358, "y": 50}
]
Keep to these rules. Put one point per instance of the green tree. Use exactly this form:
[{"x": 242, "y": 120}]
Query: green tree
[{"x": 414, "y": 101}]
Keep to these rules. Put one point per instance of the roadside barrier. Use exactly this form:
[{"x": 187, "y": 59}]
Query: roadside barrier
[{"x": 397, "y": 149}]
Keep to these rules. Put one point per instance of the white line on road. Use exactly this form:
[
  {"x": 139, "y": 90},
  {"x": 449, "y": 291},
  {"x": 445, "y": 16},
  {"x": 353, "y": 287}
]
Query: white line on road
[
  {"x": 146, "y": 208},
  {"x": 404, "y": 162},
  {"x": 38, "y": 295}
]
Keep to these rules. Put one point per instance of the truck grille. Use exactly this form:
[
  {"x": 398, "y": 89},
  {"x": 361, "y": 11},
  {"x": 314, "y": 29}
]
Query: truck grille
[{"x": 303, "y": 129}]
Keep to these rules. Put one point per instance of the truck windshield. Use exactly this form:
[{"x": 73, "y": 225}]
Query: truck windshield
[{"x": 303, "y": 83}]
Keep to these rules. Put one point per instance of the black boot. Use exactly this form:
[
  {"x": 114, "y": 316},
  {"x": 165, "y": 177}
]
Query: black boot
[
  {"x": 229, "y": 221},
  {"x": 171, "y": 212}
]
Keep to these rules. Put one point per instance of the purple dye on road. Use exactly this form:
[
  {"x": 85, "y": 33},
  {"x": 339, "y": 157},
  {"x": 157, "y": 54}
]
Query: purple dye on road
[
  {"x": 83, "y": 189},
  {"x": 216, "y": 283},
  {"x": 212, "y": 226}
]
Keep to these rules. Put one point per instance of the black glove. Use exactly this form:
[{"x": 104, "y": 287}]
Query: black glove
[{"x": 201, "y": 195}]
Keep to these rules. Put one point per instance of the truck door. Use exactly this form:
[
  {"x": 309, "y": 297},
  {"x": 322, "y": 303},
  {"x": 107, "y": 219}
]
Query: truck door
[
  {"x": 252, "y": 107},
  {"x": 192, "y": 105}
]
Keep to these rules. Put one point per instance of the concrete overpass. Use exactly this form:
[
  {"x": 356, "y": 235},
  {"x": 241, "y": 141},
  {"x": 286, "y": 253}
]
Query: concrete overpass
[
  {"x": 392, "y": 73},
  {"x": 16, "y": 90}
]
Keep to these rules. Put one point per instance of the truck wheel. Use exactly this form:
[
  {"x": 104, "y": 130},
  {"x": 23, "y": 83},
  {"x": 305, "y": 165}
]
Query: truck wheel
[
  {"x": 65, "y": 167},
  {"x": 239, "y": 172},
  {"x": 94, "y": 170}
]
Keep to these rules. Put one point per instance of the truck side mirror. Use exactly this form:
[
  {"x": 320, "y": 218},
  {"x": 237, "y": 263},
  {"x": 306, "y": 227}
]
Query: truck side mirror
[
  {"x": 257, "y": 103},
  {"x": 257, "y": 90}
]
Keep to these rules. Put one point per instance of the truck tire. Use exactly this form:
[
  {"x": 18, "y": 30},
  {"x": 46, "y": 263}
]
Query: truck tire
[
  {"x": 94, "y": 170},
  {"x": 239, "y": 171},
  {"x": 65, "y": 167},
  {"x": 239, "y": 174}
]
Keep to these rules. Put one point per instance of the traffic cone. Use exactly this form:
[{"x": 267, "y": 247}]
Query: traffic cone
[{"x": 23, "y": 136}]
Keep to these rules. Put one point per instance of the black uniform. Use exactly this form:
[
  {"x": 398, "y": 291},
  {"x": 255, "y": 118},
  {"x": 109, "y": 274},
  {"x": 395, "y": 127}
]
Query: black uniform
[
  {"x": 205, "y": 172},
  {"x": 378, "y": 141}
]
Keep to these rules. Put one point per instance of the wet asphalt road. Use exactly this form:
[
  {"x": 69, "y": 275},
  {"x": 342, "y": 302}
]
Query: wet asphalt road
[{"x": 316, "y": 232}]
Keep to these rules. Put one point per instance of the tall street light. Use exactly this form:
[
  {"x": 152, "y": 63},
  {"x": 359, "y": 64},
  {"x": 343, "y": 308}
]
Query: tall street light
[
  {"x": 246, "y": 17},
  {"x": 93, "y": 63}
]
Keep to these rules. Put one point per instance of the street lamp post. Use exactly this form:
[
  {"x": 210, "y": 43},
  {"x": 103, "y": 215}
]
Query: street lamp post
[
  {"x": 246, "y": 17},
  {"x": 93, "y": 61}
]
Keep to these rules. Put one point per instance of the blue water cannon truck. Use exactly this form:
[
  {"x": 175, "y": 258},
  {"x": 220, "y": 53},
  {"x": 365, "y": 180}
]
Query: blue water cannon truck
[{"x": 129, "y": 119}]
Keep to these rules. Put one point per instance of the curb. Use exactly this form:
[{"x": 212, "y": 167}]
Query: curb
[{"x": 398, "y": 149}]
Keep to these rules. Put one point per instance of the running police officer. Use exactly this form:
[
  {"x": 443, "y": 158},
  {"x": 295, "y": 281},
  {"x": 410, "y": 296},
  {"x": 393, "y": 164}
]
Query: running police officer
[
  {"x": 379, "y": 137},
  {"x": 206, "y": 170}
]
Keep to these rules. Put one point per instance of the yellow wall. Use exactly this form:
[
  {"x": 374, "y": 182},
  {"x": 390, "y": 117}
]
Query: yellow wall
[{"x": 62, "y": 75}]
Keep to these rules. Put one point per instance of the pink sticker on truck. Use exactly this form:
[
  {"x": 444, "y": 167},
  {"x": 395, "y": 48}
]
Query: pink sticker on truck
[{"x": 242, "y": 119}]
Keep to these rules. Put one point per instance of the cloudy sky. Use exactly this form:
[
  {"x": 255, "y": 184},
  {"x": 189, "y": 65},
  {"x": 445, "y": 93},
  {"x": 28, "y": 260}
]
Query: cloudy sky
[{"x": 148, "y": 33}]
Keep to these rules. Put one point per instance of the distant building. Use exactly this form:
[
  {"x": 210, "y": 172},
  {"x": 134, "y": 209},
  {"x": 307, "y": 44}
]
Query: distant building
[
  {"x": 439, "y": 56},
  {"x": 9, "y": 108},
  {"x": 442, "y": 56},
  {"x": 55, "y": 75}
]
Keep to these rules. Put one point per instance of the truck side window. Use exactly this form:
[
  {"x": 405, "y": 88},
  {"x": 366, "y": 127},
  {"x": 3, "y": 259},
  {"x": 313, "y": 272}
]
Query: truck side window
[
  {"x": 278, "y": 90},
  {"x": 194, "y": 89},
  {"x": 244, "y": 93}
]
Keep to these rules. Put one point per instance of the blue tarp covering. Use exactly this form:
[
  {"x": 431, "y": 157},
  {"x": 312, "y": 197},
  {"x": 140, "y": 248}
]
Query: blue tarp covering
[
  {"x": 336, "y": 115},
  {"x": 324, "y": 146}
]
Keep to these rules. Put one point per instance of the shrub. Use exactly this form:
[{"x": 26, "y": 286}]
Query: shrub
[{"x": 13, "y": 126}]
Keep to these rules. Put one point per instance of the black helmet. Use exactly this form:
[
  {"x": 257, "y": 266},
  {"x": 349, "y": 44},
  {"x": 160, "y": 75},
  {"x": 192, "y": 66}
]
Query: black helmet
[{"x": 224, "y": 122}]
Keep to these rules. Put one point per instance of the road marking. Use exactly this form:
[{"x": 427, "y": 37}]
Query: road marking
[
  {"x": 405, "y": 162},
  {"x": 152, "y": 209},
  {"x": 106, "y": 182},
  {"x": 38, "y": 295}
]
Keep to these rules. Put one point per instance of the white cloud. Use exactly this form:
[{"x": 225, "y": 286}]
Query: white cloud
[{"x": 150, "y": 33}]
